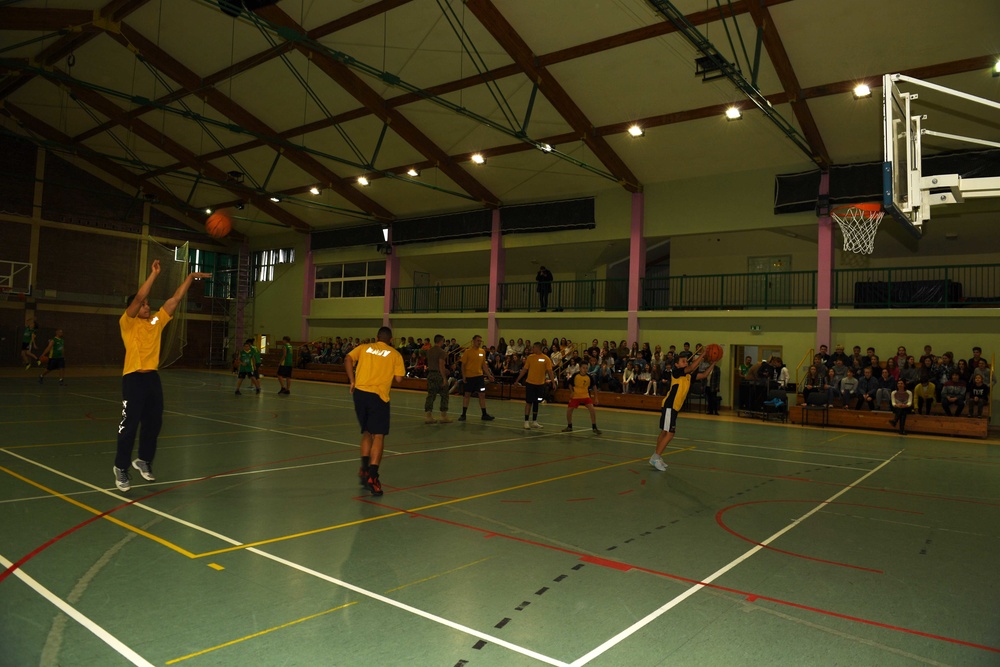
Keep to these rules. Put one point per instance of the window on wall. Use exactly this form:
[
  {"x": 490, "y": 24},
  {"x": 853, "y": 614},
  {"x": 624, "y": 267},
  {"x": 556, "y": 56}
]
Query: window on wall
[
  {"x": 264, "y": 262},
  {"x": 352, "y": 280},
  {"x": 223, "y": 268}
]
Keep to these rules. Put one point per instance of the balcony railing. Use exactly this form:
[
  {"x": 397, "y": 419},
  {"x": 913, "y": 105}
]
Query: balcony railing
[{"x": 904, "y": 287}]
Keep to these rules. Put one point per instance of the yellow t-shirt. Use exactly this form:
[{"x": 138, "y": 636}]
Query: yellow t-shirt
[
  {"x": 580, "y": 383},
  {"x": 678, "y": 390},
  {"x": 537, "y": 365},
  {"x": 142, "y": 341},
  {"x": 375, "y": 366},
  {"x": 473, "y": 361}
]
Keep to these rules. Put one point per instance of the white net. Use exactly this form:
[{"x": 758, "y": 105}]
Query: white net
[{"x": 858, "y": 224}]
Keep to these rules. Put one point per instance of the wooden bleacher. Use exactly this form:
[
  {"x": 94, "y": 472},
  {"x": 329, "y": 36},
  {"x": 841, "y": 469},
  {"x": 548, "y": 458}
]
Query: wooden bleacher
[{"x": 935, "y": 423}]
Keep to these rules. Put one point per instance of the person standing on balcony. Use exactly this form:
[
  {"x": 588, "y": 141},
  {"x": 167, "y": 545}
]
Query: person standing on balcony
[{"x": 544, "y": 288}]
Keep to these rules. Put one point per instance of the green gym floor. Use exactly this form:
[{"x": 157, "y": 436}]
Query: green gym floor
[{"x": 761, "y": 544}]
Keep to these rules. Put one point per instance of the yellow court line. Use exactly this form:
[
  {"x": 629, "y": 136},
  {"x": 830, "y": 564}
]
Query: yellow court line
[
  {"x": 309, "y": 618},
  {"x": 419, "y": 509},
  {"x": 140, "y": 531},
  {"x": 259, "y": 634}
]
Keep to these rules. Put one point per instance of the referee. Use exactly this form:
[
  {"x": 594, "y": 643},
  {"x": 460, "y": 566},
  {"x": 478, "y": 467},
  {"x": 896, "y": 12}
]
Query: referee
[{"x": 371, "y": 368}]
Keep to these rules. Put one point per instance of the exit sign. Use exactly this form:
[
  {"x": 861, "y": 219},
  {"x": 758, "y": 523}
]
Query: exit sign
[{"x": 754, "y": 328}]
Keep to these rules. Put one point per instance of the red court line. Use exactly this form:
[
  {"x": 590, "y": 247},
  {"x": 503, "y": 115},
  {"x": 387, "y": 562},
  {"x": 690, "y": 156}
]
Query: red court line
[
  {"x": 720, "y": 513},
  {"x": 752, "y": 597}
]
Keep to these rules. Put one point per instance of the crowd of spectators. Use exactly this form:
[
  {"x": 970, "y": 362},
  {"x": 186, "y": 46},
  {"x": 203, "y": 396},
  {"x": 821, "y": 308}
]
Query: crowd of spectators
[{"x": 861, "y": 381}]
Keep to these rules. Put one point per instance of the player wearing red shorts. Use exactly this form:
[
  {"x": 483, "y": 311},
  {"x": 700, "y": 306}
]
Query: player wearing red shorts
[{"x": 582, "y": 387}]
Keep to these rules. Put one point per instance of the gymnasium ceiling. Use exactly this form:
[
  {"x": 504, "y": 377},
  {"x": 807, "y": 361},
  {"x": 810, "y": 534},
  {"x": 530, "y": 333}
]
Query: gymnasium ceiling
[{"x": 177, "y": 102}]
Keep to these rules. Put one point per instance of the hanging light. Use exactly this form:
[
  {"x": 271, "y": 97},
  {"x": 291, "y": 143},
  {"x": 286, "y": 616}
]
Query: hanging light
[
  {"x": 635, "y": 131},
  {"x": 412, "y": 171},
  {"x": 478, "y": 158},
  {"x": 733, "y": 113},
  {"x": 362, "y": 181},
  {"x": 862, "y": 90},
  {"x": 314, "y": 190}
]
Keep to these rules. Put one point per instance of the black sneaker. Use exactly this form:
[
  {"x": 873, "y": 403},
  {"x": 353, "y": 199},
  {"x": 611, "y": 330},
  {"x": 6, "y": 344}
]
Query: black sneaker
[
  {"x": 121, "y": 479},
  {"x": 257, "y": 390},
  {"x": 363, "y": 476},
  {"x": 568, "y": 429},
  {"x": 375, "y": 486},
  {"x": 461, "y": 418},
  {"x": 144, "y": 469},
  {"x": 238, "y": 393},
  {"x": 488, "y": 418}
]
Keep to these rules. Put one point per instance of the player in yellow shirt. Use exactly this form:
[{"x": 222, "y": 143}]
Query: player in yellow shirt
[
  {"x": 371, "y": 368},
  {"x": 582, "y": 386},
  {"x": 475, "y": 371},
  {"x": 142, "y": 393},
  {"x": 674, "y": 400},
  {"x": 538, "y": 368}
]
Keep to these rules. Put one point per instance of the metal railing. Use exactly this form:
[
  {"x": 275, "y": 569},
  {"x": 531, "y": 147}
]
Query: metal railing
[
  {"x": 972, "y": 285},
  {"x": 733, "y": 291},
  {"x": 902, "y": 287},
  {"x": 441, "y": 299}
]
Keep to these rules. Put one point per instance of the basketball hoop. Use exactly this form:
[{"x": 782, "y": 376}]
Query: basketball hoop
[{"x": 858, "y": 223}]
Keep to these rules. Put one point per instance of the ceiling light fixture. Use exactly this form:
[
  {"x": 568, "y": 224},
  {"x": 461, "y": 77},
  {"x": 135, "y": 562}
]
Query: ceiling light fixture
[
  {"x": 862, "y": 90},
  {"x": 545, "y": 148},
  {"x": 314, "y": 190},
  {"x": 412, "y": 171},
  {"x": 362, "y": 181},
  {"x": 276, "y": 199},
  {"x": 208, "y": 211},
  {"x": 996, "y": 68},
  {"x": 635, "y": 131},
  {"x": 733, "y": 113},
  {"x": 478, "y": 158}
]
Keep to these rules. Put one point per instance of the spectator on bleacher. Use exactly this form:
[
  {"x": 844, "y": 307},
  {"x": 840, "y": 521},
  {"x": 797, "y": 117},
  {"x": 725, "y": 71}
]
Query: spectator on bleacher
[
  {"x": 745, "y": 367},
  {"x": 926, "y": 370},
  {"x": 606, "y": 377},
  {"x": 647, "y": 354},
  {"x": 686, "y": 352},
  {"x": 870, "y": 359},
  {"x": 497, "y": 363},
  {"x": 927, "y": 353},
  {"x": 989, "y": 378},
  {"x": 858, "y": 361},
  {"x": 900, "y": 356},
  {"x": 420, "y": 371},
  {"x": 846, "y": 388},
  {"x": 887, "y": 385},
  {"x": 781, "y": 375},
  {"x": 953, "y": 396},
  {"x": 513, "y": 366},
  {"x": 942, "y": 372},
  {"x": 978, "y": 395},
  {"x": 502, "y": 347},
  {"x": 868, "y": 386},
  {"x": 569, "y": 369},
  {"x": 838, "y": 353},
  {"x": 712, "y": 385},
  {"x": 924, "y": 393},
  {"x": 824, "y": 355},
  {"x": 902, "y": 404},
  {"x": 812, "y": 382},
  {"x": 977, "y": 354},
  {"x": 304, "y": 355},
  {"x": 655, "y": 374},
  {"x": 594, "y": 351},
  {"x": 628, "y": 378},
  {"x": 893, "y": 368},
  {"x": 909, "y": 373},
  {"x": 964, "y": 372}
]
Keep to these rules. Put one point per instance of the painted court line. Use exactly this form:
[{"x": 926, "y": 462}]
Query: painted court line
[
  {"x": 79, "y": 617},
  {"x": 635, "y": 627}
]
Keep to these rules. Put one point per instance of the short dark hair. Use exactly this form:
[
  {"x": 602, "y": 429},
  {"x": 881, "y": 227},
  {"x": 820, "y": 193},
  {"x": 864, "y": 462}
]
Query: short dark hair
[
  {"x": 248, "y": 340},
  {"x": 384, "y": 334},
  {"x": 286, "y": 339},
  {"x": 977, "y": 349},
  {"x": 438, "y": 338}
]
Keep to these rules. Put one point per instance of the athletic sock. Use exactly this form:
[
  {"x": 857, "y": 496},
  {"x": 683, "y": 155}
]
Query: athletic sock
[
  {"x": 365, "y": 460},
  {"x": 484, "y": 411},
  {"x": 464, "y": 410},
  {"x": 373, "y": 471}
]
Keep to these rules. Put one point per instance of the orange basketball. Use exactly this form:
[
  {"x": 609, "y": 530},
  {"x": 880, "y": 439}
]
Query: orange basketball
[
  {"x": 219, "y": 224},
  {"x": 713, "y": 352}
]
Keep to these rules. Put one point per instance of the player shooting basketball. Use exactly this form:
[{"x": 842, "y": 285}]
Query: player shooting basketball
[
  {"x": 674, "y": 401},
  {"x": 142, "y": 393}
]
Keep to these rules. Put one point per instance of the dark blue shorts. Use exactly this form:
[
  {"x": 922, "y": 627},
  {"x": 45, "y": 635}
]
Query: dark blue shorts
[
  {"x": 55, "y": 363},
  {"x": 372, "y": 412},
  {"x": 474, "y": 385}
]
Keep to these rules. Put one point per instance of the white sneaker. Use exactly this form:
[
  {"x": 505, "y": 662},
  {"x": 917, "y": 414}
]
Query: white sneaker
[
  {"x": 144, "y": 469},
  {"x": 527, "y": 426},
  {"x": 535, "y": 425},
  {"x": 657, "y": 462}
]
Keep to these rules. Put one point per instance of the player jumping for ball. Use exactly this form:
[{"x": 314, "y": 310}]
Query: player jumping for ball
[{"x": 674, "y": 400}]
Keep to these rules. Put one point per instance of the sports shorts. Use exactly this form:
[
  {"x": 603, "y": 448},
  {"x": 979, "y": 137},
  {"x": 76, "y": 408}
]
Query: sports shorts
[
  {"x": 534, "y": 393},
  {"x": 668, "y": 420},
  {"x": 574, "y": 402},
  {"x": 475, "y": 385},
  {"x": 284, "y": 371},
  {"x": 372, "y": 412}
]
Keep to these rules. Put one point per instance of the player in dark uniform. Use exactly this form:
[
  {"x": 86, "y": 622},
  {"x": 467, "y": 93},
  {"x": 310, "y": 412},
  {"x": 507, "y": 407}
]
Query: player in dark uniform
[{"x": 674, "y": 400}]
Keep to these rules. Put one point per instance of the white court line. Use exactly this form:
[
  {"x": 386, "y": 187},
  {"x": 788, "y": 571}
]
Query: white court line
[
  {"x": 624, "y": 634},
  {"x": 78, "y": 616}
]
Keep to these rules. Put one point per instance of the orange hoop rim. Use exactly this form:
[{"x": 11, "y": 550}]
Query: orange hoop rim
[{"x": 869, "y": 207}]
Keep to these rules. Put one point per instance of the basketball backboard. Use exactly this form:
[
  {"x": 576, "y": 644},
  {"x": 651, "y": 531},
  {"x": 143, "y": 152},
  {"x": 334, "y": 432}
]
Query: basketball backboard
[
  {"x": 15, "y": 277},
  {"x": 945, "y": 116}
]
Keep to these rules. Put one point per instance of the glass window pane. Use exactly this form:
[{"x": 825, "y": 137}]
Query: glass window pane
[
  {"x": 355, "y": 270},
  {"x": 376, "y": 268},
  {"x": 329, "y": 271},
  {"x": 354, "y": 288},
  {"x": 376, "y": 287},
  {"x": 322, "y": 290},
  {"x": 335, "y": 289}
]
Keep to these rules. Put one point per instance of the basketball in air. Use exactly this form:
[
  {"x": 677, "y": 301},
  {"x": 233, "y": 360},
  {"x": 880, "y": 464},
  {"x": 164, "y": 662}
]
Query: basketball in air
[
  {"x": 713, "y": 352},
  {"x": 219, "y": 224}
]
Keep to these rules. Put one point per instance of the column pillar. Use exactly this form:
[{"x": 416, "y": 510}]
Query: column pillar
[
  {"x": 308, "y": 289},
  {"x": 636, "y": 265},
  {"x": 824, "y": 267},
  {"x": 391, "y": 280},
  {"x": 496, "y": 280}
]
